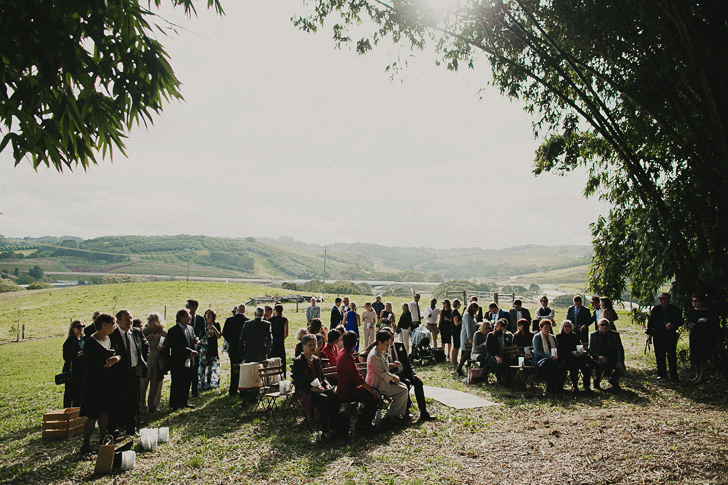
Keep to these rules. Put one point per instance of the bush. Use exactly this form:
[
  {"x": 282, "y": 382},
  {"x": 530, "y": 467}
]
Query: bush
[
  {"x": 118, "y": 278},
  {"x": 349, "y": 288},
  {"x": 292, "y": 286},
  {"x": 39, "y": 285},
  {"x": 7, "y": 286},
  {"x": 25, "y": 279},
  {"x": 563, "y": 300},
  {"x": 398, "y": 290}
]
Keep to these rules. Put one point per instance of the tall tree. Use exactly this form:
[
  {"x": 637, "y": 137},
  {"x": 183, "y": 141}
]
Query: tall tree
[
  {"x": 77, "y": 75},
  {"x": 634, "y": 90}
]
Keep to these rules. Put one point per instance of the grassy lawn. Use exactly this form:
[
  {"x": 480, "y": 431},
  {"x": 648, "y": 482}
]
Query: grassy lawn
[{"x": 648, "y": 433}]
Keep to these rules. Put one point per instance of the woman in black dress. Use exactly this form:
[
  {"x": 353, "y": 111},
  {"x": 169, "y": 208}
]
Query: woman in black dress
[
  {"x": 445, "y": 325},
  {"x": 98, "y": 385},
  {"x": 73, "y": 362},
  {"x": 279, "y": 329},
  {"x": 703, "y": 327},
  {"x": 457, "y": 321}
]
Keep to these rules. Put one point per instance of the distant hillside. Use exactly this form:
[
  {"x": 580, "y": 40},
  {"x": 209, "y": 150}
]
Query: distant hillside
[{"x": 282, "y": 258}]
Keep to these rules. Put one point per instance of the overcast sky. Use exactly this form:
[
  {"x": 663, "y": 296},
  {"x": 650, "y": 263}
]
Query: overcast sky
[{"x": 281, "y": 134}]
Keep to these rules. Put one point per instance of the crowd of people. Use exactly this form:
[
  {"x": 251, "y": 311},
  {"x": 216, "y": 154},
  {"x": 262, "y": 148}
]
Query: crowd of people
[{"x": 117, "y": 365}]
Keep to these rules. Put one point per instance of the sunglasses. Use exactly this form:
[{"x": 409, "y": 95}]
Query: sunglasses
[
  {"x": 603, "y": 324},
  {"x": 78, "y": 326}
]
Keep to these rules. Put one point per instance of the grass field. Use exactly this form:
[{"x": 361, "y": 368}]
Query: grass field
[{"x": 646, "y": 434}]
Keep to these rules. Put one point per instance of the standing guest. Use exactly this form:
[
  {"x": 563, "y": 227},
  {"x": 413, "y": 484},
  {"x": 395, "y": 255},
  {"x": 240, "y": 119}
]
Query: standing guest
[
  {"x": 495, "y": 349},
  {"x": 337, "y": 314},
  {"x": 231, "y": 332},
  {"x": 279, "y": 332},
  {"x": 307, "y": 369},
  {"x": 197, "y": 323},
  {"x": 445, "y": 326},
  {"x": 353, "y": 320},
  {"x": 543, "y": 313},
  {"x": 608, "y": 312},
  {"x": 133, "y": 349},
  {"x": 523, "y": 337},
  {"x": 369, "y": 320},
  {"x": 580, "y": 317},
  {"x": 479, "y": 314},
  {"x": 256, "y": 338},
  {"x": 386, "y": 317},
  {"x": 494, "y": 314},
  {"x": 312, "y": 311},
  {"x": 703, "y": 327},
  {"x": 351, "y": 386},
  {"x": 547, "y": 363},
  {"x": 209, "y": 369},
  {"x": 98, "y": 388},
  {"x": 383, "y": 380},
  {"x": 267, "y": 312},
  {"x": 605, "y": 346},
  {"x": 596, "y": 309},
  {"x": 414, "y": 308},
  {"x": 664, "y": 321},
  {"x": 457, "y": 321},
  {"x": 182, "y": 345},
  {"x": 571, "y": 359},
  {"x": 432, "y": 317},
  {"x": 137, "y": 323},
  {"x": 404, "y": 326},
  {"x": 516, "y": 313},
  {"x": 75, "y": 364},
  {"x": 331, "y": 349},
  {"x": 467, "y": 330},
  {"x": 91, "y": 329},
  {"x": 378, "y": 308},
  {"x": 345, "y": 305},
  {"x": 154, "y": 332}
]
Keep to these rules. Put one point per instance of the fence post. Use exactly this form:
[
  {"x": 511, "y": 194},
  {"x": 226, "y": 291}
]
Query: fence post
[
  {"x": 23, "y": 331},
  {"x": 495, "y": 298}
]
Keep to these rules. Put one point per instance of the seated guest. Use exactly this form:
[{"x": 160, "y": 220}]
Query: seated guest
[
  {"x": 495, "y": 350},
  {"x": 548, "y": 364},
  {"x": 352, "y": 386},
  {"x": 605, "y": 346},
  {"x": 523, "y": 337},
  {"x": 319, "y": 352},
  {"x": 307, "y": 369},
  {"x": 342, "y": 330},
  {"x": 571, "y": 360},
  {"x": 383, "y": 380},
  {"x": 401, "y": 365},
  {"x": 330, "y": 350},
  {"x": 364, "y": 354},
  {"x": 299, "y": 336},
  {"x": 316, "y": 326},
  {"x": 478, "y": 352}
]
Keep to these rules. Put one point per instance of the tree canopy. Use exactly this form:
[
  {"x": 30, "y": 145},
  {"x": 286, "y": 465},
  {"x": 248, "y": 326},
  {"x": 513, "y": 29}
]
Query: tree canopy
[
  {"x": 77, "y": 75},
  {"x": 636, "y": 91}
]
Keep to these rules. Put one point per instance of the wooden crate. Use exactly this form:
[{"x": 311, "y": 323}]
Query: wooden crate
[{"x": 63, "y": 424}]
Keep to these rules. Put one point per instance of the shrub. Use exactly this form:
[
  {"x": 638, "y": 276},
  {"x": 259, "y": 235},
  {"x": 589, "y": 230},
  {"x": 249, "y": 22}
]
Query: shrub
[
  {"x": 291, "y": 286},
  {"x": 7, "y": 286},
  {"x": 39, "y": 285},
  {"x": 25, "y": 279}
]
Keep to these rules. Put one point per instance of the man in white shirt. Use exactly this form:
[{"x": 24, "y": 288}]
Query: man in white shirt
[
  {"x": 432, "y": 316},
  {"x": 414, "y": 307},
  {"x": 133, "y": 349}
]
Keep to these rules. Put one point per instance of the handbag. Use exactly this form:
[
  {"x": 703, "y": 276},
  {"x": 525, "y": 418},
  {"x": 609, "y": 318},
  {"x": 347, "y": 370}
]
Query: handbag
[
  {"x": 63, "y": 378},
  {"x": 476, "y": 374}
]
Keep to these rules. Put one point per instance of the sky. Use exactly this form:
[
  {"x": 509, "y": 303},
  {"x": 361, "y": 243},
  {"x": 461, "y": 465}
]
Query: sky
[{"x": 282, "y": 134}]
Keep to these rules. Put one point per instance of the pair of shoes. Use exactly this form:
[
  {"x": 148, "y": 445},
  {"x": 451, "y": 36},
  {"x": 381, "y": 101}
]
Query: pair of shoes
[
  {"x": 460, "y": 372},
  {"x": 427, "y": 417},
  {"x": 86, "y": 450},
  {"x": 190, "y": 406},
  {"x": 661, "y": 378},
  {"x": 329, "y": 435},
  {"x": 598, "y": 385}
]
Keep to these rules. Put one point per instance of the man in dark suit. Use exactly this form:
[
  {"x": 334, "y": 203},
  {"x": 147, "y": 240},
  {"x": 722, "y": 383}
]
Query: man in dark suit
[
  {"x": 662, "y": 326},
  {"x": 337, "y": 314},
  {"x": 516, "y": 313},
  {"x": 133, "y": 350},
  {"x": 605, "y": 346},
  {"x": 182, "y": 345},
  {"x": 495, "y": 351},
  {"x": 494, "y": 314},
  {"x": 197, "y": 322},
  {"x": 231, "y": 332},
  {"x": 581, "y": 317},
  {"x": 256, "y": 338}
]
